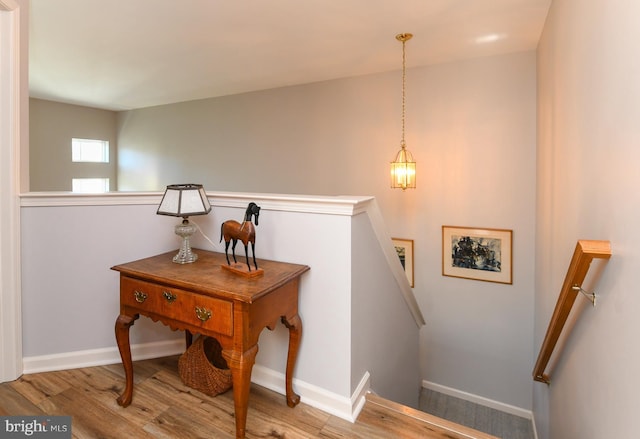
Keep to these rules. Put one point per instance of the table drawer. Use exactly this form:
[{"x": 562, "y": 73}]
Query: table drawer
[{"x": 194, "y": 309}]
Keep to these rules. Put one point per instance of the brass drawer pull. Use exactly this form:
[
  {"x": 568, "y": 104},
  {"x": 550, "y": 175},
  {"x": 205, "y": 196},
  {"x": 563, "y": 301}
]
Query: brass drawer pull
[
  {"x": 203, "y": 313},
  {"x": 169, "y": 296},
  {"x": 140, "y": 296}
]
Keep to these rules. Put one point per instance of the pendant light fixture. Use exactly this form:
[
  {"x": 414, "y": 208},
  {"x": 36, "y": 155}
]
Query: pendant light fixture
[{"x": 403, "y": 168}]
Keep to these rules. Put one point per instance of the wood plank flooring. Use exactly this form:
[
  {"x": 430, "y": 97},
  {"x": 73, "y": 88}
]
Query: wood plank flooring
[{"x": 163, "y": 407}]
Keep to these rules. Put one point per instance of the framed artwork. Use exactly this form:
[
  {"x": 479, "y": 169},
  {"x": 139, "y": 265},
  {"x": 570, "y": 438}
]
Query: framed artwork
[
  {"x": 404, "y": 248},
  {"x": 480, "y": 254}
]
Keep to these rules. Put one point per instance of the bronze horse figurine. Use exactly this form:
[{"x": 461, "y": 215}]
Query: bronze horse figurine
[{"x": 233, "y": 231}]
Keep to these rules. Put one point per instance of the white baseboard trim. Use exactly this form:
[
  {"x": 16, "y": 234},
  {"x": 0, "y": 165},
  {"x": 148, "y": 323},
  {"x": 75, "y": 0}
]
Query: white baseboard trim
[
  {"x": 535, "y": 430},
  {"x": 100, "y": 357},
  {"x": 507, "y": 408},
  {"x": 332, "y": 403}
]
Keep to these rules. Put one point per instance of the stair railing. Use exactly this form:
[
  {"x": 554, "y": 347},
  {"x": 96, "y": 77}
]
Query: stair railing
[{"x": 585, "y": 252}]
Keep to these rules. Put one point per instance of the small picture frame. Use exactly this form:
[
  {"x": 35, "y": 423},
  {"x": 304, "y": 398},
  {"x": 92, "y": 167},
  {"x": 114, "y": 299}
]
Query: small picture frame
[
  {"x": 404, "y": 249},
  {"x": 479, "y": 254}
]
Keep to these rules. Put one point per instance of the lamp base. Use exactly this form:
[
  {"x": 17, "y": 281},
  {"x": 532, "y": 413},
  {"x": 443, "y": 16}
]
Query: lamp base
[{"x": 185, "y": 255}]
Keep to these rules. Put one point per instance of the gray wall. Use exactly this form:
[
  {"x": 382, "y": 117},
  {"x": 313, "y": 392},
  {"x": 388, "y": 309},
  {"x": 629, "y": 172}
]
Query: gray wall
[
  {"x": 471, "y": 127},
  {"x": 324, "y": 138},
  {"x": 52, "y": 126},
  {"x": 588, "y": 179}
]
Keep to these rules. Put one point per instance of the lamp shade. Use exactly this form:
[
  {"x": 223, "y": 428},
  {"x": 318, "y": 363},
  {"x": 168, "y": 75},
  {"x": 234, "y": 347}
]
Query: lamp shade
[{"x": 184, "y": 200}]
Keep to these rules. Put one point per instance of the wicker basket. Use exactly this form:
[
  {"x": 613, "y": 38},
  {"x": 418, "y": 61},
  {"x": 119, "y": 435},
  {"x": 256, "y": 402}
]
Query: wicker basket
[{"x": 202, "y": 367}]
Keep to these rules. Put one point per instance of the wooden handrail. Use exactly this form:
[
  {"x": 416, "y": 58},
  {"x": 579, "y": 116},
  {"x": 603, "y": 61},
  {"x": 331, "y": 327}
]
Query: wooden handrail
[{"x": 584, "y": 253}]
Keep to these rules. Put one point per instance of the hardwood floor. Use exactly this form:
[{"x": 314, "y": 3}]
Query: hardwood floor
[{"x": 163, "y": 407}]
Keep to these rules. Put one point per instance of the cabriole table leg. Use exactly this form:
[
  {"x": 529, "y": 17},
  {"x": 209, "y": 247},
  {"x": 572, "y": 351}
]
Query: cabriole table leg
[
  {"x": 241, "y": 366},
  {"x": 294, "y": 324},
  {"x": 123, "y": 323}
]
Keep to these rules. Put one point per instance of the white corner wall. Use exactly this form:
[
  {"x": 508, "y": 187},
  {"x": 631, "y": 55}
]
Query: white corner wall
[
  {"x": 588, "y": 179},
  {"x": 385, "y": 335},
  {"x": 71, "y": 299},
  {"x": 11, "y": 74}
]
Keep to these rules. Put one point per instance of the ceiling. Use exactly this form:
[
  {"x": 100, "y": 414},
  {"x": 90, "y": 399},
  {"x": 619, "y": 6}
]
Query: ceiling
[{"x": 125, "y": 54}]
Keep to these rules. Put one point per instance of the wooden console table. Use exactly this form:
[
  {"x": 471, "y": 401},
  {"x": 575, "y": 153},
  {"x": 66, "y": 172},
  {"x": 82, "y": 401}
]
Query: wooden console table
[{"x": 201, "y": 298}]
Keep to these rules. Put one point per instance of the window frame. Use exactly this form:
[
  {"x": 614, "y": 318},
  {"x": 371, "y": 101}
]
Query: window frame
[{"x": 81, "y": 150}]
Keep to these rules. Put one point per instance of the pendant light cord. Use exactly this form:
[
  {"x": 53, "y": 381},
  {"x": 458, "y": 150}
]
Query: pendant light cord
[
  {"x": 403, "y": 38},
  {"x": 404, "y": 74}
]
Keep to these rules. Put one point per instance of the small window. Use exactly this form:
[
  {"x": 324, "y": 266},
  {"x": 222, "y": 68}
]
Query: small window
[
  {"x": 90, "y": 185},
  {"x": 90, "y": 150}
]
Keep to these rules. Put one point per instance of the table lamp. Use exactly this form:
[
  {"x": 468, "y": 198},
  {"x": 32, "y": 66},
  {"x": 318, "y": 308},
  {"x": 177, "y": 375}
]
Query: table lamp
[{"x": 184, "y": 200}]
